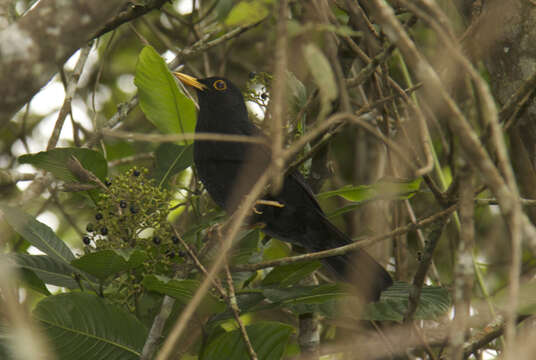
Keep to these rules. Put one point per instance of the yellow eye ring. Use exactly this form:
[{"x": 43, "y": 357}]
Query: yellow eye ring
[{"x": 219, "y": 85}]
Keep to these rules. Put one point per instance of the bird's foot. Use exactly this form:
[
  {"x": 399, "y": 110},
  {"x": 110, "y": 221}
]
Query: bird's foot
[{"x": 267, "y": 203}]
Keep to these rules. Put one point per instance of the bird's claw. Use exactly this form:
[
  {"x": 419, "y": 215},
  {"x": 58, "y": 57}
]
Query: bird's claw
[{"x": 267, "y": 203}]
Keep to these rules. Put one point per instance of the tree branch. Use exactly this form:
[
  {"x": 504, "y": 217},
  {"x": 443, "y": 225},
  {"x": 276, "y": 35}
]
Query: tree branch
[{"x": 32, "y": 48}]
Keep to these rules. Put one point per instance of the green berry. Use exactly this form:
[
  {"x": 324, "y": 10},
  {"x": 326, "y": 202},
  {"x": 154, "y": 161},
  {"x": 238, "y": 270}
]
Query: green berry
[{"x": 89, "y": 227}]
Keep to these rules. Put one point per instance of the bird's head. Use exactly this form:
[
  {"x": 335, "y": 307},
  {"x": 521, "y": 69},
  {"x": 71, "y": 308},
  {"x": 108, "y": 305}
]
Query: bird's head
[{"x": 213, "y": 92}]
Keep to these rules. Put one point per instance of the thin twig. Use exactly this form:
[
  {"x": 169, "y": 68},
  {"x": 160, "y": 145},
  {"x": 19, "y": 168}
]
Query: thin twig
[
  {"x": 181, "y": 137},
  {"x": 233, "y": 304},
  {"x": 422, "y": 270},
  {"x": 198, "y": 263},
  {"x": 72, "y": 82},
  {"x": 278, "y": 102}
]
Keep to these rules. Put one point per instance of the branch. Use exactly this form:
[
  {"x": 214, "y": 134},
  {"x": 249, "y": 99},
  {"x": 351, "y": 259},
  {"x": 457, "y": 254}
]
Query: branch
[
  {"x": 156, "y": 329},
  {"x": 130, "y": 11},
  {"x": 347, "y": 248},
  {"x": 69, "y": 93},
  {"x": 32, "y": 48}
]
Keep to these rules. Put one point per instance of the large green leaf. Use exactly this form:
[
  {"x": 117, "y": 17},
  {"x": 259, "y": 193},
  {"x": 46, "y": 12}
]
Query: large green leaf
[
  {"x": 56, "y": 160},
  {"x": 83, "y": 326},
  {"x": 32, "y": 281},
  {"x": 268, "y": 338},
  {"x": 306, "y": 299},
  {"x": 49, "y": 270},
  {"x": 171, "y": 159},
  {"x": 102, "y": 264},
  {"x": 393, "y": 304},
  {"x": 382, "y": 189},
  {"x": 37, "y": 234},
  {"x": 182, "y": 290},
  {"x": 290, "y": 274},
  {"x": 160, "y": 99}
]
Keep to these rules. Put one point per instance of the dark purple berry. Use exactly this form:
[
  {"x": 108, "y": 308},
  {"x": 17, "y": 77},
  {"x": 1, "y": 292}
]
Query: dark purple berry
[
  {"x": 157, "y": 240},
  {"x": 182, "y": 254},
  {"x": 136, "y": 173},
  {"x": 133, "y": 209},
  {"x": 264, "y": 96},
  {"x": 170, "y": 254},
  {"x": 123, "y": 204},
  {"x": 86, "y": 240},
  {"x": 104, "y": 230},
  {"x": 252, "y": 75},
  {"x": 108, "y": 183},
  {"x": 89, "y": 227},
  {"x": 98, "y": 216},
  {"x": 175, "y": 239}
]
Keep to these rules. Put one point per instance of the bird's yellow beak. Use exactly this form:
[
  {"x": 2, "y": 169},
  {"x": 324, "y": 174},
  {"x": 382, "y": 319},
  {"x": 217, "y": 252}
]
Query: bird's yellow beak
[{"x": 189, "y": 80}]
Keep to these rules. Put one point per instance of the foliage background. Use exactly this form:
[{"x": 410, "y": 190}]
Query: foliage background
[{"x": 433, "y": 171}]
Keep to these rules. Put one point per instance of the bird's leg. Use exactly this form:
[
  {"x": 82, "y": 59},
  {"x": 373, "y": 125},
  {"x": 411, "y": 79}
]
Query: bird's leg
[{"x": 266, "y": 202}]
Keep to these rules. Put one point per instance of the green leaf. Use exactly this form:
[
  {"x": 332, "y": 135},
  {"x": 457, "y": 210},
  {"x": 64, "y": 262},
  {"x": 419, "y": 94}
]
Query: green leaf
[
  {"x": 160, "y": 99},
  {"x": 323, "y": 76},
  {"x": 102, "y": 264},
  {"x": 84, "y": 326},
  {"x": 393, "y": 304},
  {"x": 182, "y": 290},
  {"x": 247, "y": 12},
  {"x": 55, "y": 161},
  {"x": 268, "y": 338},
  {"x": 314, "y": 294},
  {"x": 33, "y": 281},
  {"x": 171, "y": 159},
  {"x": 52, "y": 271},
  {"x": 290, "y": 274},
  {"x": 247, "y": 250},
  {"x": 276, "y": 249},
  {"x": 48, "y": 269},
  {"x": 305, "y": 299},
  {"x": 382, "y": 189},
  {"x": 37, "y": 234},
  {"x": 249, "y": 300}
]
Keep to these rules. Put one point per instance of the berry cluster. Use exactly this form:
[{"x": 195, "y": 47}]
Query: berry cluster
[{"x": 133, "y": 214}]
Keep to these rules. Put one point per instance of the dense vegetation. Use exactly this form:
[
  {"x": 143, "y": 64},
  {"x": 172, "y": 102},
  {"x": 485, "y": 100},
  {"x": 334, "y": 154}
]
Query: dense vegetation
[{"x": 412, "y": 121}]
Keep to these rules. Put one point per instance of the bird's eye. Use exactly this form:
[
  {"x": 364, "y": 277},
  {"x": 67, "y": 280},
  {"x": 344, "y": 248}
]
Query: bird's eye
[{"x": 219, "y": 85}]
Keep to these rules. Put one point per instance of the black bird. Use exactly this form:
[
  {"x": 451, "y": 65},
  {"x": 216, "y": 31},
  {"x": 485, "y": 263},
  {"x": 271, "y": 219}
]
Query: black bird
[{"x": 229, "y": 170}]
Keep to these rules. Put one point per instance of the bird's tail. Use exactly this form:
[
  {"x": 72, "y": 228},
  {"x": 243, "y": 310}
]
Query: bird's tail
[
  {"x": 362, "y": 271},
  {"x": 356, "y": 267}
]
